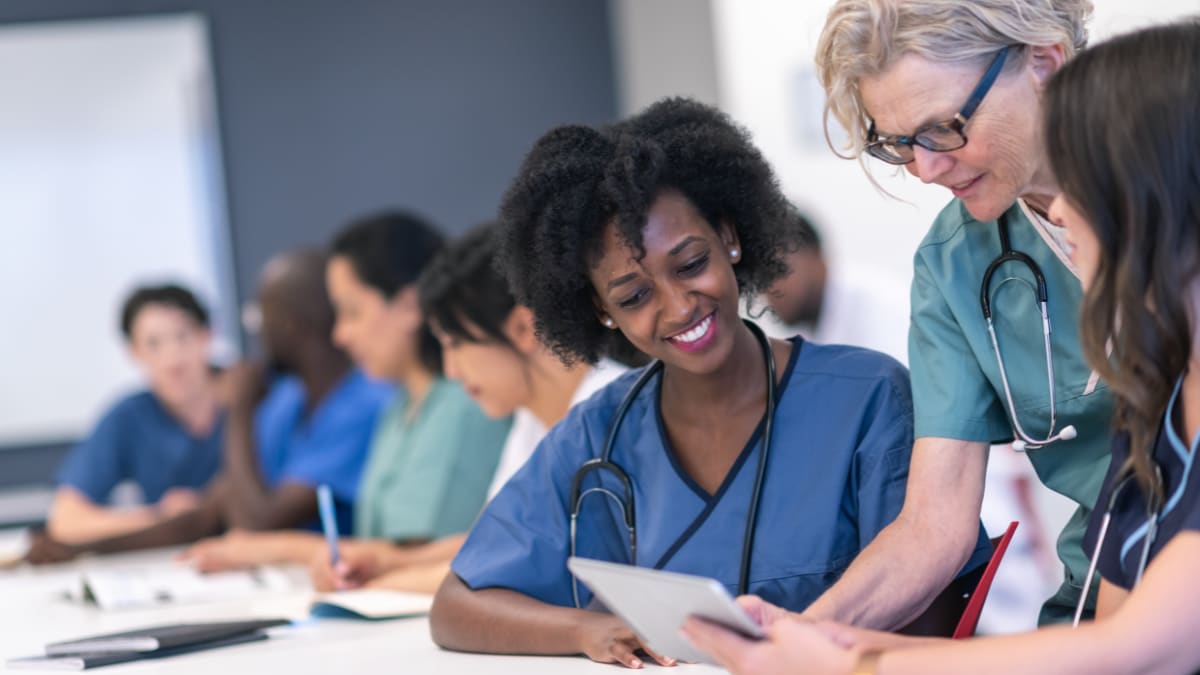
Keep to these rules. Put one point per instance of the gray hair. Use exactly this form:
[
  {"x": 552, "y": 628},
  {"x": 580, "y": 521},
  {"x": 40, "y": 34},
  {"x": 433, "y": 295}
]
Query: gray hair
[{"x": 863, "y": 38}]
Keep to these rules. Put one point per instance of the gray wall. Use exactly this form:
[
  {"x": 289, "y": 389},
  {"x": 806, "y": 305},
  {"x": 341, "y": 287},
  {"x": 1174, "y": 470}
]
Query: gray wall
[{"x": 332, "y": 108}]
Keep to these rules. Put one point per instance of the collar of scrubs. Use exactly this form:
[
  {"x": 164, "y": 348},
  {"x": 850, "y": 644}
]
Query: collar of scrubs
[
  {"x": 1175, "y": 459},
  {"x": 709, "y": 501}
]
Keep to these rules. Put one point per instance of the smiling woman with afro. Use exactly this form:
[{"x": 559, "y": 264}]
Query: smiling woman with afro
[
  {"x": 577, "y": 181},
  {"x": 647, "y": 234}
]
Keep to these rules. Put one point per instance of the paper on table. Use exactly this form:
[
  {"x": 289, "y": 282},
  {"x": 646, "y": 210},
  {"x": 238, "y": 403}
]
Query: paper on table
[
  {"x": 130, "y": 587},
  {"x": 373, "y": 604}
]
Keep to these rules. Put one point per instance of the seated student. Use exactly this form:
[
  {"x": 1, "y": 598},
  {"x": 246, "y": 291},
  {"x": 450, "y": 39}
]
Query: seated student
[
  {"x": 311, "y": 428},
  {"x": 166, "y": 439},
  {"x": 489, "y": 344},
  {"x": 1122, "y": 128},
  {"x": 649, "y": 232},
  {"x": 433, "y": 451}
]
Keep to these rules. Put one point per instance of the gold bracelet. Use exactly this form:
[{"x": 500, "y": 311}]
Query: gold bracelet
[{"x": 867, "y": 662}]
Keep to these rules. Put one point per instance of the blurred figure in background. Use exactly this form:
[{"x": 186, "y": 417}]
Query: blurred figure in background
[
  {"x": 164, "y": 440},
  {"x": 434, "y": 452},
  {"x": 312, "y": 427},
  {"x": 490, "y": 345},
  {"x": 830, "y": 305}
]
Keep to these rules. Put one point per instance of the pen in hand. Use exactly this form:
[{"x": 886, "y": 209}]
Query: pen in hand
[{"x": 328, "y": 522}]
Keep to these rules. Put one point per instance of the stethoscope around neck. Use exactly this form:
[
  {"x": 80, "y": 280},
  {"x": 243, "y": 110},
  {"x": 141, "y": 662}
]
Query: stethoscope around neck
[
  {"x": 624, "y": 501},
  {"x": 1023, "y": 440}
]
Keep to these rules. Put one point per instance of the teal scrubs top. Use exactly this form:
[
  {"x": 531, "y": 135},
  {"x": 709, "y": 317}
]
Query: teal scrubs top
[
  {"x": 957, "y": 392},
  {"x": 429, "y": 467}
]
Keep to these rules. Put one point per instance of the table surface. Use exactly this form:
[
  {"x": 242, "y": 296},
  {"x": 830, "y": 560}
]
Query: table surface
[{"x": 34, "y": 610}]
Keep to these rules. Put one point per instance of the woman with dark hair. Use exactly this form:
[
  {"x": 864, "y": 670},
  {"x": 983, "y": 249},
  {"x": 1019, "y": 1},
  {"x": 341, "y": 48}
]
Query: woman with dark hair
[
  {"x": 647, "y": 233},
  {"x": 1122, "y": 131},
  {"x": 489, "y": 345},
  {"x": 433, "y": 452}
]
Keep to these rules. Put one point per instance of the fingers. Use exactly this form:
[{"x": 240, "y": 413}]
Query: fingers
[
  {"x": 842, "y": 636},
  {"x": 723, "y": 645},
  {"x": 662, "y": 660},
  {"x": 623, "y": 653}
]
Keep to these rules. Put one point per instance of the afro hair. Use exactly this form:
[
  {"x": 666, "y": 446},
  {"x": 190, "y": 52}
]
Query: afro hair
[{"x": 577, "y": 181}]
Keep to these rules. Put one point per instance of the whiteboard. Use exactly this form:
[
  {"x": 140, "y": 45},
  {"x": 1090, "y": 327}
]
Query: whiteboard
[{"x": 110, "y": 177}]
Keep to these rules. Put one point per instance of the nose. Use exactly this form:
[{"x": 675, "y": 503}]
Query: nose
[
  {"x": 678, "y": 305},
  {"x": 929, "y": 165},
  {"x": 1054, "y": 213}
]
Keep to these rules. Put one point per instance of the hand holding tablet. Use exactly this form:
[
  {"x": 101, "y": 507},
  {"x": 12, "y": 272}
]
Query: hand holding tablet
[{"x": 656, "y": 604}]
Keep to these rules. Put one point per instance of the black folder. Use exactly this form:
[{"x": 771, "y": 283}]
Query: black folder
[{"x": 146, "y": 643}]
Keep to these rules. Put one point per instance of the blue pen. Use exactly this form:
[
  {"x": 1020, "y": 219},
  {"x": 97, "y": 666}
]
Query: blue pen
[{"x": 328, "y": 521}]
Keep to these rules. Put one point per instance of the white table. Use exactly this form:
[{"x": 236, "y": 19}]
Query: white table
[{"x": 33, "y": 611}]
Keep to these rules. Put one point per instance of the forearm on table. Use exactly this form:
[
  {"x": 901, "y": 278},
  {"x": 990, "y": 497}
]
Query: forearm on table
[
  {"x": 438, "y": 551},
  {"x": 423, "y": 577},
  {"x": 288, "y": 546},
  {"x": 500, "y": 621},
  {"x": 73, "y": 523},
  {"x": 1095, "y": 649},
  {"x": 182, "y": 529}
]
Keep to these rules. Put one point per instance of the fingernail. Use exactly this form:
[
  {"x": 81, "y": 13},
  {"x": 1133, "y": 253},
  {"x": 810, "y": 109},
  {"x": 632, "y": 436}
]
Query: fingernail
[{"x": 637, "y": 663}]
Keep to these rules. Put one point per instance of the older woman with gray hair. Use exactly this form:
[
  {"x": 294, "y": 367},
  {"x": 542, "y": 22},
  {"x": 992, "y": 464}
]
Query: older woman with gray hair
[
  {"x": 1121, "y": 124},
  {"x": 952, "y": 92}
]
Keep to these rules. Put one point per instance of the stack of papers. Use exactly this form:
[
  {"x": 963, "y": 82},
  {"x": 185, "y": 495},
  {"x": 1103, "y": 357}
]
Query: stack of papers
[{"x": 149, "y": 586}]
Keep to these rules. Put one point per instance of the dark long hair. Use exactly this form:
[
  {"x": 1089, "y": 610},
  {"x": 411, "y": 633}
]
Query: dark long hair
[
  {"x": 1123, "y": 137},
  {"x": 388, "y": 251}
]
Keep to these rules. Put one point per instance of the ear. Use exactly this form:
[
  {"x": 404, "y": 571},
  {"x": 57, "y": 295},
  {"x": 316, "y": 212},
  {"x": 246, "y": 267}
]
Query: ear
[
  {"x": 1045, "y": 60},
  {"x": 729, "y": 239},
  {"x": 602, "y": 315},
  {"x": 519, "y": 329}
]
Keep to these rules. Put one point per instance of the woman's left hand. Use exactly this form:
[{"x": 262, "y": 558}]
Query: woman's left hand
[{"x": 792, "y": 646}]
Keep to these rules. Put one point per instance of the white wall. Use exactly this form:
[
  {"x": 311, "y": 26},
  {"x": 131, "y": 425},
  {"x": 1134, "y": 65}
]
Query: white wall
[
  {"x": 109, "y": 177},
  {"x": 767, "y": 82}
]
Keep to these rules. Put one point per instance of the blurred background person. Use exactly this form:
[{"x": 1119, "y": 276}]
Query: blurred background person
[
  {"x": 307, "y": 425},
  {"x": 831, "y": 305},
  {"x": 433, "y": 452},
  {"x": 490, "y": 345},
  {"x": 164, "y": 440}
]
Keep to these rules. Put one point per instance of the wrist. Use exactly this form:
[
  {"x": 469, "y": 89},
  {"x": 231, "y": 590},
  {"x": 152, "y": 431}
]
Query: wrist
[{"x": 867, "y": 663}]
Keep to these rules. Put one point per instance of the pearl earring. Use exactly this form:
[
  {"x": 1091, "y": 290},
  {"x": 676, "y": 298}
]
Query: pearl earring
[
  {"x": 733, "y": 253},
  {"x": 608, "y": 321}
]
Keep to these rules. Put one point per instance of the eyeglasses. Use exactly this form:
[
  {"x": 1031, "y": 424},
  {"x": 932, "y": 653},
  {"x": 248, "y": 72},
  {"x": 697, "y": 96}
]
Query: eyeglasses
[{"x": 940, "y": 136}]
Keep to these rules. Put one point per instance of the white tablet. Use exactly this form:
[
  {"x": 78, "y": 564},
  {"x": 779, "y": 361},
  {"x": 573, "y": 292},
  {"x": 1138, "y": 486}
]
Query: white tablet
[{"x": 655, "y": 604}]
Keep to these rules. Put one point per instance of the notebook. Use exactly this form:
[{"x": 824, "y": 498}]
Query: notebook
[
  {"x": 156, "y": 638},
  {"x": 145, "y": 643},
  {"x": 371, "y": 604},
  {"x": 97, "y": 659}
]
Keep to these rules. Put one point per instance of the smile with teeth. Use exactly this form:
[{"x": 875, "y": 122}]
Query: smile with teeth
[
  {"x": 695, "y": 332},
  {"x": 964, "y": 184}
]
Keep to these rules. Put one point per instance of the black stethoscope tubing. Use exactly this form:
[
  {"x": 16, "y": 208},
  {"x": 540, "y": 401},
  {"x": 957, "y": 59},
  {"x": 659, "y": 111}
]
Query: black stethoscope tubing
[{"x": 605, "y": 463}]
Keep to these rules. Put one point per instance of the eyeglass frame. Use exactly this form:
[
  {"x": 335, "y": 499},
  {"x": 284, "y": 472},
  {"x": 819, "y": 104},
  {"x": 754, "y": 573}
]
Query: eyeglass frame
[{"x": 957, "y": 124}]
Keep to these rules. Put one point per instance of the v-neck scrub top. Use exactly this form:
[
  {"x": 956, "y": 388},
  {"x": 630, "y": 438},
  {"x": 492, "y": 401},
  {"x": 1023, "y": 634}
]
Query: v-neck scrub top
[
  {"x": 956, "y": 385},
  {"x": 835, "y": 477}
]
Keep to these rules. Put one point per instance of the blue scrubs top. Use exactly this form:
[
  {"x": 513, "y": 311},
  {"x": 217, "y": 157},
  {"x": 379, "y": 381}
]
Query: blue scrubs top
[
  {"x": 1123, "y": 543},
  {"x": 328, "y": 446},
  {"x": 139, "y": 441},
  {"x": 835, "y": 477}
]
